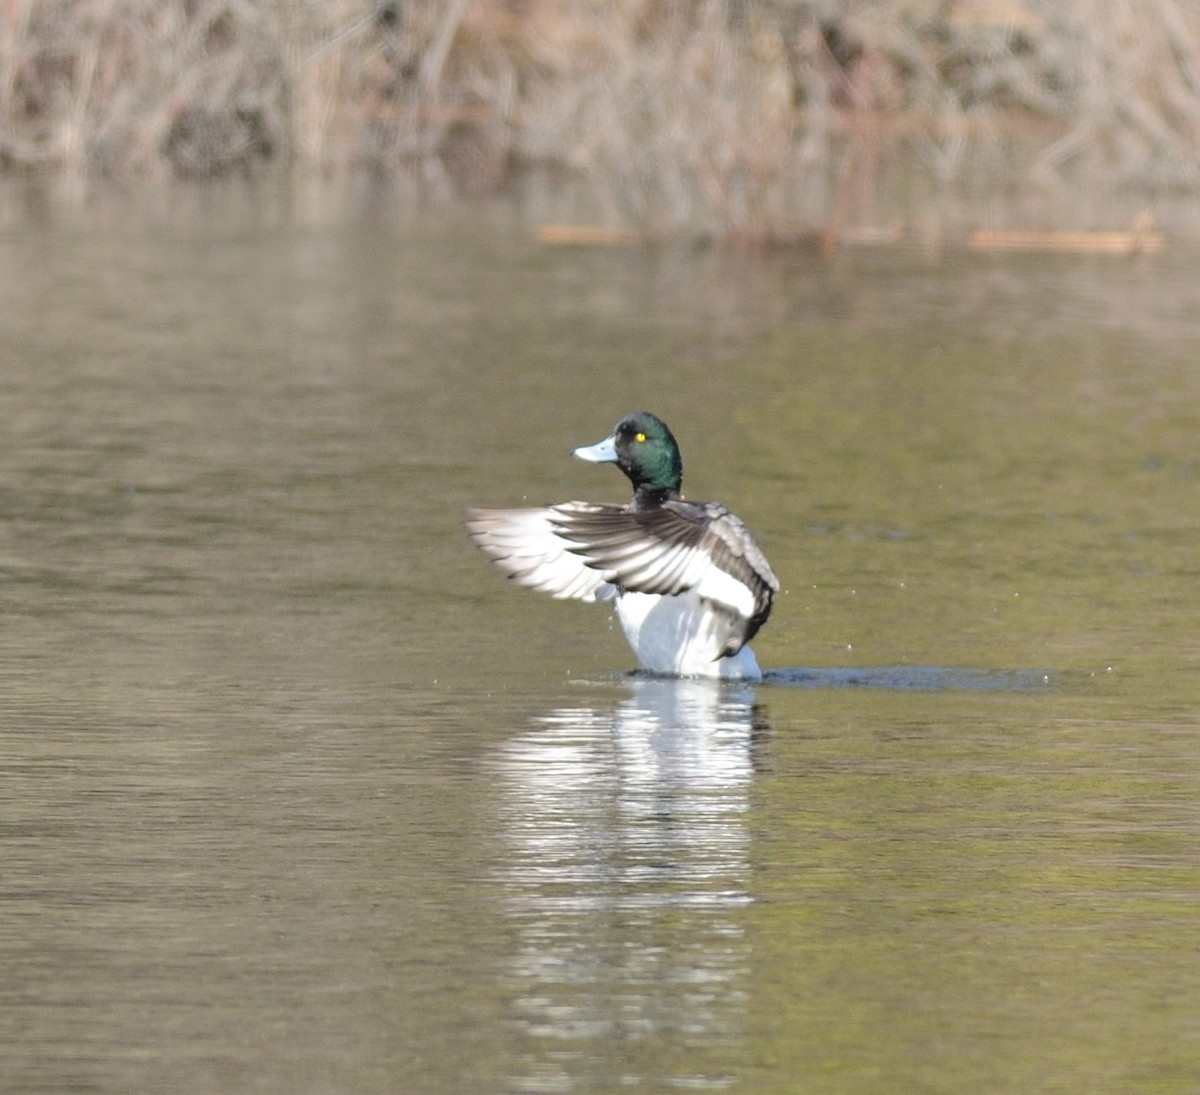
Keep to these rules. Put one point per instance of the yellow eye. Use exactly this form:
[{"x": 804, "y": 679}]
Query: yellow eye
[{"x": 640, "y": 438}]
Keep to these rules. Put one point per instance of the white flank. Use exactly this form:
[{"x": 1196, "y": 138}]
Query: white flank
[
  {"x": 682, "y": 636},
  {"x": 718, "y": 586}
]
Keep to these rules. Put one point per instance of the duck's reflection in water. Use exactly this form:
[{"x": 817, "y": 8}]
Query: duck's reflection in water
[{"x": 628, "y": 865}]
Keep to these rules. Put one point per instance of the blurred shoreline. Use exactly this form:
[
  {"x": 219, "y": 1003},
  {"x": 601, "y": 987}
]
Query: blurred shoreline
[{"x": 763, "y": 122}]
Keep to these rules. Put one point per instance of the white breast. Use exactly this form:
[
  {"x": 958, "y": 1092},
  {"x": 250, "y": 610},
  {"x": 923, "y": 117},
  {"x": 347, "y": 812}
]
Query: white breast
[{"x": 681, "y": 635}]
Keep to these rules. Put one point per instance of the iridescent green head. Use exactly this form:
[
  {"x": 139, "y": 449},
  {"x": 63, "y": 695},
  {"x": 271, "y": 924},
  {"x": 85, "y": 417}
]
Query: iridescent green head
[{"x": 644, "y": 448}]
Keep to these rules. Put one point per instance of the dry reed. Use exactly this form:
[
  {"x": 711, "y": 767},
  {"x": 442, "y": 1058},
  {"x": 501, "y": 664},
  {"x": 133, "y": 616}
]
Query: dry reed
[{"x": 758, "y": 119}]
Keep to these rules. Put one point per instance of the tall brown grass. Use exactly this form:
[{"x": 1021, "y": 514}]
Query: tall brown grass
[{"x": 755, "y": 118}]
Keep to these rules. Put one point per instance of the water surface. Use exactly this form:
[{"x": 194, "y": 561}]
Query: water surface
[{"x": 301, "y": 796}]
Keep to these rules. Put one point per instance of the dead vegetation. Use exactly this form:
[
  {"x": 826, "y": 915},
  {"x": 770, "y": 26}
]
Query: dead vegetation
[{"x": 759, "y": 119}]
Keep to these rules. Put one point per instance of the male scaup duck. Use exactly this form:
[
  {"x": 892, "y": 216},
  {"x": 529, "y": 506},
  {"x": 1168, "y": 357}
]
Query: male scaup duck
[{"x": 690, "y": 586}]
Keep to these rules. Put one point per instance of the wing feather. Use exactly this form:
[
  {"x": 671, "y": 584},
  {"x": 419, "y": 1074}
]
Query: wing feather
[
  {"x": 588, "y": 551},
  {"x": 673, "y": 548},
  {"x": 526, "y": 545}
]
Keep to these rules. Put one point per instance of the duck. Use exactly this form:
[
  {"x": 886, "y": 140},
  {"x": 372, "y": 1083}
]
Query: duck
[{"x": 686, "y": 580}]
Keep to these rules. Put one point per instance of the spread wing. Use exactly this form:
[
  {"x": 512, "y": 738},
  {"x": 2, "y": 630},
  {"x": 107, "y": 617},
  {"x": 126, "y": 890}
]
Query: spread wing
[
  {"x": 589, "y": 552},
  {"x": 528, "y": 546},
  {"x": 673, "y": 548}
]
